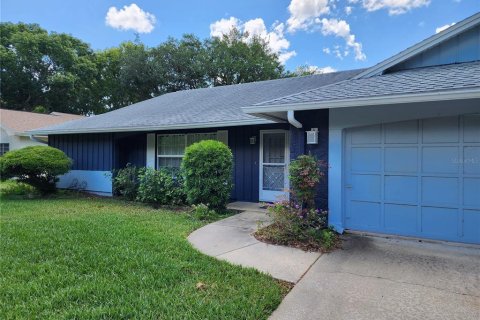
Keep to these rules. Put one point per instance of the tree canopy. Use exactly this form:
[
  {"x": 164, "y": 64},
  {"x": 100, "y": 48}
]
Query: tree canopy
[{"x": 62, "y": 73}]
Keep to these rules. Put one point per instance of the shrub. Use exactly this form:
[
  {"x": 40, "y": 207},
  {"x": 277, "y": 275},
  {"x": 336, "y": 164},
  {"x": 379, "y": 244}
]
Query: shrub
[
  {"x": 203, "y": 213},
  {"x": 161, "y": 187},
  {"x": 207, "y": 169},
  {"x": 297, "y": 227},
  {"x": 37, "y": 166},
  {"x": 13, "y": 188},
  {"x": 305, "y": 174},
  {"x": 125, "y": 181}
]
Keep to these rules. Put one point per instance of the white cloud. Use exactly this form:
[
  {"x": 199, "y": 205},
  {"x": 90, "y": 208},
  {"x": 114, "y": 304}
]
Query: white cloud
[
  {"x": 340, "y": 28},
  {"x": 327, "y": 50},
  {"x": 348, "y": 10},
  {"x": 320, "y": 70},
  {"x": 130, "y": 18},
  {"x": 223, "y": 26},
  {"x": 304, "y": 12},
  {"x": 275, "y": 38},
  {"x": 440, "y": 29},
  {"x": 394, "y": 7}
]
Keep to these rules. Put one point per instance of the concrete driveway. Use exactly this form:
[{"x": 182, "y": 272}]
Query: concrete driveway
[{"x": 376, "y": 278}]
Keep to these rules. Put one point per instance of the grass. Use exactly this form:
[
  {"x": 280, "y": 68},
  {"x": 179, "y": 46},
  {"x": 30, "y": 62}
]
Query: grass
[{"x": 92, "y": 258}]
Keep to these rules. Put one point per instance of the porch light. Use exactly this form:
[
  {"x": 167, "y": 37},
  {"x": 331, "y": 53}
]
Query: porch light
[{"x": 253, "y": 140}]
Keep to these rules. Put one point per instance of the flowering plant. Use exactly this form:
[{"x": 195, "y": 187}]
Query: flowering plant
[{"x": 305, "y": 174}]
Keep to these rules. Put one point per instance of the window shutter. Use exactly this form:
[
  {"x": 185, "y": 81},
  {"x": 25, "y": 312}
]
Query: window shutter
[{"x": 222, "y": 136}]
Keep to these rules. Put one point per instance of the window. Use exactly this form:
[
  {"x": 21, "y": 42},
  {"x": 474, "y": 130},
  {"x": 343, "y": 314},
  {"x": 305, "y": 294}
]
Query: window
[
  {"x": 4, "y": 147},
  {"x": 171, "y": 147}
]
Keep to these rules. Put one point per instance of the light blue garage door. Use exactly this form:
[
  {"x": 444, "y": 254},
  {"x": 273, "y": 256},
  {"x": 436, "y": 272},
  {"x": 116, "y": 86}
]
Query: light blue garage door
[{"x": 415, "y": 178}]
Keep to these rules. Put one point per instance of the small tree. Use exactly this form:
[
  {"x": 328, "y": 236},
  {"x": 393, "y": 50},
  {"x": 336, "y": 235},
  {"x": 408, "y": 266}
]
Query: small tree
[
  {"x": 207, "y": 169},
  {"x": 305, "y": 174},
  {"x": 37, "y": 166}
]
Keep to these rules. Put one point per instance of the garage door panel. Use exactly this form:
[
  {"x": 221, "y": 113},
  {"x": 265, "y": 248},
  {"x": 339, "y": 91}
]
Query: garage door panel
[
  {"x": 471, "y": 131},
  {"x": 416, "y": 178},
  {"x": 403, "y": 159},
  {"x": 471, "y": 225},
  {"x": 440, "y": 191},
  {"x": 440, "y": 222},
  {"x": 366, "y": 135},
  {"x": 364, "y": 215},
  {"x": 471, "y": 160},
  {"x": 471, "y": 192},
  {"x": 440, "y": 160},
  {"x": 366, "y": 159},
  {"x": 370, "y": 190},
  {"x": 401, "y": 189},
  {"x": 401, "y": 132},
  {"x": 440, "y": 130},
  {"x": 400, "y": 218}
]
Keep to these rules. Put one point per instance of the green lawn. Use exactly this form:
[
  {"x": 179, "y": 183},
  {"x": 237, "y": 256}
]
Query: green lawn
[{"x": 91, "y": 258}]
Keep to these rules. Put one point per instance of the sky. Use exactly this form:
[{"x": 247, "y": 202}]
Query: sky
[{"x": 325, "y": 35}]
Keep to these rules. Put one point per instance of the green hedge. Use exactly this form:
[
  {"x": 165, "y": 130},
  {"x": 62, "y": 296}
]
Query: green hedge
[
  {"x": 207, "y": 168},
  {"x": 37, "y": 166}
]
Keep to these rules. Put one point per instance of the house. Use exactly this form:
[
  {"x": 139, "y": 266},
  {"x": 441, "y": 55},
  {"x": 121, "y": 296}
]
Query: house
[
  {"x": 14, "y": 127},
  {"x": 402, "y": 138}
]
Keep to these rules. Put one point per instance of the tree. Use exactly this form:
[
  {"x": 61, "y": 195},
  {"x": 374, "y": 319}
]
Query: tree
[
  {"x": 184, "y": 63},
  {"x": 57, "y": 71},
  {"x": 235, "y": 58},
  {"x": 128, "y": 74}
]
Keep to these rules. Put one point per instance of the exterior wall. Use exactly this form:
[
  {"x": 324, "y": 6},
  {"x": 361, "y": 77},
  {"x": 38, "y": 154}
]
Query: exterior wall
[
  {"x": 246, "y": 157},
  {"x": 464, "y": 47},
  {"x": 93, "y": 152},
  {"x": 298, "y": 145},
  {"x": 92, "y": 156},
  {"x": 343, "y": 118},
  {"x": 130, "y": 148},
  {"x": 17, "y": 142}
]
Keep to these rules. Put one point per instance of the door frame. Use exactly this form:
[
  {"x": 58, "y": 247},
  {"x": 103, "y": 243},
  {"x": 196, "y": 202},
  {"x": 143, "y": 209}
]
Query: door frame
[{"x": 287, "y": 162}]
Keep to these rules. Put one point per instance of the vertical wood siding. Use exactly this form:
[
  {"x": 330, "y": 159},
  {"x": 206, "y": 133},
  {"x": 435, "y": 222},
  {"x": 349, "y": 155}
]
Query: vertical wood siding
[
  {"x": 88, "y": 151},
  {"x": 464, "y": 47}
]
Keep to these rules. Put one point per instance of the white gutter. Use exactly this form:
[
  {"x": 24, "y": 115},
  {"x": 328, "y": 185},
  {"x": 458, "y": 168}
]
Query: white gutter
[
  {"x": 291, "y": 119},
  {"x": 155, "y": 128},
  {"x": 473, "y": 93},
  {"x": 33, "y": 138}
]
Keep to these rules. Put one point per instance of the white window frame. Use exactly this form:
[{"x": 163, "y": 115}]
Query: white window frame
[{"x": 218, "y": 137}]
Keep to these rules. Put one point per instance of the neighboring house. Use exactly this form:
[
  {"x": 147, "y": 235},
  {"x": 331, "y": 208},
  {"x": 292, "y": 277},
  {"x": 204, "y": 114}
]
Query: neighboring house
[
  {"x": 402, "y": 138},
  {"x": 15, "y": 124}
]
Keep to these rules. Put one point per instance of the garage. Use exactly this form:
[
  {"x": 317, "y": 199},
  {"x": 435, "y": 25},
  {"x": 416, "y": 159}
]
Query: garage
[{"x": 418, "y": 178}]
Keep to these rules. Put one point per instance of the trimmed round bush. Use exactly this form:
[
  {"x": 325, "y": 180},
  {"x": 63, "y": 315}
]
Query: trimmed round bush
[
  {"x": 37, "y": 166},
  {"x": 207, "y": 168},
  {"x": 126, "y": 181}
]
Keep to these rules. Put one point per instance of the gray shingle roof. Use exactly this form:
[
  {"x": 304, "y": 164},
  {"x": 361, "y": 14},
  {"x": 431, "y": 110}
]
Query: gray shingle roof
[
  {"x": 195, "y": 108},
  {"x": 422, "y": 80}
]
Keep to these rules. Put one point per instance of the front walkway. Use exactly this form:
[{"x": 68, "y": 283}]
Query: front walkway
[{"x": 231, "y": 239}]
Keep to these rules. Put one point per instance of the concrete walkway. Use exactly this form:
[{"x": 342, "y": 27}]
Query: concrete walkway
[
  {"x": 377, "y": 278},
  {"x": 231, "y": 239}
]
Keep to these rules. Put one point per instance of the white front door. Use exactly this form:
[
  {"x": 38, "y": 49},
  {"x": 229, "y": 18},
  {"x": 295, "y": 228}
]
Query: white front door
[{"x": 274, "y": 158}]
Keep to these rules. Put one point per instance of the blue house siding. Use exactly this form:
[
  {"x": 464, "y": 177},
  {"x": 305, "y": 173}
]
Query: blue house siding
[
  {"x": 245, "y": 156},
  {"x": 104, "y": 152},
  {"x": 130, "y": 148},
  {"x": 464, "y": 47},
  {"x": 298, "y": 146},
  {"x": 93, "y": 152}
]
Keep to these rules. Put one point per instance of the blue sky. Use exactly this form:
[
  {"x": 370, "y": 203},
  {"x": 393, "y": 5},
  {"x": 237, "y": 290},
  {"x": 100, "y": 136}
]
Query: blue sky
[{"x": 332, "y": 34}]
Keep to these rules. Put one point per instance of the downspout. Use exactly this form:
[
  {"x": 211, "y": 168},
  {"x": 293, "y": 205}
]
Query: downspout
[{"x": 291, "y": 119}]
